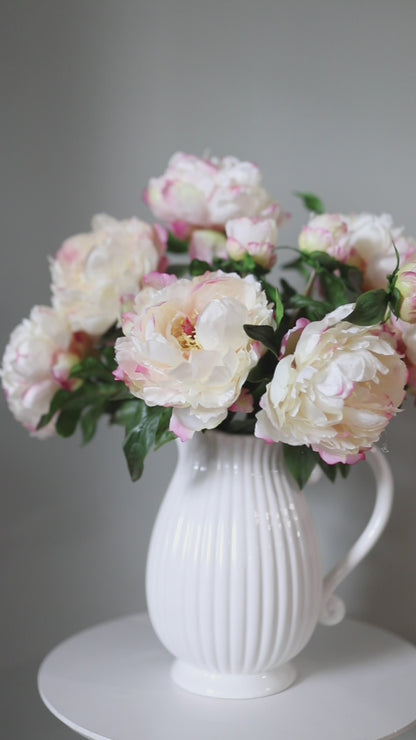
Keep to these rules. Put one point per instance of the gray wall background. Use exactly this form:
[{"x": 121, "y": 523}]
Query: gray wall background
[{"x": 96, "y": 95}]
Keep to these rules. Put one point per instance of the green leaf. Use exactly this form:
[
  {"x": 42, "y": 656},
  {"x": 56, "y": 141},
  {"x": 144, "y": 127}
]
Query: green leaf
[
  {"x": 175, "y": 245},
  {"x": 300, "y": 265},
  {"x": 394, "y": 294},
  {"x": 311, "y": 202},
  {"x": 370, "y": 308},
  {"x": 334, "y": 289},
  {"x": 295, "y": 264},
  {"x": 126, "y": 413},
  {"x": 249, "y": 264},
  {"x": 199, "y": 267},
  {"x": 163, "y": 438},
  {"x": 245, "y": 265},
  {"x": 135, "y": 448},
  {"x": 147, "y": 429},
  {"x": 263, "y": 334},
  {"x": 321, "y": 260},
  {"x": 352, "y": 276},
  {"x": 67, "y": 421},
  {"x": 395, "y": 301},
  {"x": 273, "y": 295},
  {"x": 341, "y": 283},
  {"x": 163, "y": 435},
  {"x": 71, "y": 404},
  {"x": 280, "y": 311},
  {"x": 344, "y": 469},
  {"x": 287, "y": 290},
  {"x": 264, "y": 370},
  {"x": 331, "y": 471},
  {"x": 109, "y": 361},
  {"x": 58, "y": 401},
  {"x": 89, "y": 421},
  {"x": 315, "y": 310},
  {"x": 300, "y": 461},
  {"x": 91, "y": 367}
]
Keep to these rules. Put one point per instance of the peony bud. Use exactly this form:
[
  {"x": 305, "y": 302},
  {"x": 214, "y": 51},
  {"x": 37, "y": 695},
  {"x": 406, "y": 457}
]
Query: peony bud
[
  {"x": 325, "y": 233},
  {"x": 405, "y": 285},
  {"x": 255, "y": 236}
]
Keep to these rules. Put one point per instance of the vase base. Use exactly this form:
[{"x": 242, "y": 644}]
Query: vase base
[{"x": 232, "y": 686}]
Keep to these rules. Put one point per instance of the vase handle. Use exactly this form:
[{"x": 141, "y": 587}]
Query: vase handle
[{"x": 333, "y": 608}]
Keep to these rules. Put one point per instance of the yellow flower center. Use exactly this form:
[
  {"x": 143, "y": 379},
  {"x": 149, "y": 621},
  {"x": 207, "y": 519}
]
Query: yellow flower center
[{"x": 183, "y": 329}]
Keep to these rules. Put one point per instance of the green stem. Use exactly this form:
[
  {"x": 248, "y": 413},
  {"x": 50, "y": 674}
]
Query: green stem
[{"x": 310, "y": 284}]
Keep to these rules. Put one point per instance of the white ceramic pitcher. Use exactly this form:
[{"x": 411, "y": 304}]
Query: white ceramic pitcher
[{"x": 234, "y": 577}]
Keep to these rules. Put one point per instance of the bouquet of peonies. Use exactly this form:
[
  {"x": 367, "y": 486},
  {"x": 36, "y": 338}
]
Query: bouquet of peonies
[{"x": 168, "y": 348}]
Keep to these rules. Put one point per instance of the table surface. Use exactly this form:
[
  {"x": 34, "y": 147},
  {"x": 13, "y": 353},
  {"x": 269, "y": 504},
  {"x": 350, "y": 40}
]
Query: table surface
[{"x": 111, "y": 682}]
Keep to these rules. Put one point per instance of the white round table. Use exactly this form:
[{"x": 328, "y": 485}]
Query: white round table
[{"x": 112, "y": 682}]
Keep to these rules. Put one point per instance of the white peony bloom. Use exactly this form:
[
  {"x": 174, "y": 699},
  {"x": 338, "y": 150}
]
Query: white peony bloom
[
  {"x": 37, "y": 362},
  {"x": 371, "y": 241},
  {"x": 362, "y": 240},
  {"x": 185, "y": 346},
  {"x": 336, "y": 391},
  {"x": 91, "y": 272},
  {"x": 206, "y": 193}
]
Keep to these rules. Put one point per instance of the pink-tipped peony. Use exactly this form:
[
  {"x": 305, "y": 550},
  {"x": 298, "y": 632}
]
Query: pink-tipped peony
[
  {"x": 37, "y": 362},
  {"x": 255, "y": 236},
  {"x": 325, "y": 233},
  {"x": 206, "y": 193},
  {"x": 336, "y": 391},
  {"x": 371, "y": 240},
  {"x": 91, "y": 272},
  {"x": 185, "y": 346}
]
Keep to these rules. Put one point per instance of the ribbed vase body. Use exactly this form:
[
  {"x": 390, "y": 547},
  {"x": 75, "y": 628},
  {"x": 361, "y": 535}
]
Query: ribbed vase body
[{"x": 234, "y": 580}]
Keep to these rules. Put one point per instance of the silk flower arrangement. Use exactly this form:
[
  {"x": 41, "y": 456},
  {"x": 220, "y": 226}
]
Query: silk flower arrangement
[{"x": 169, "y": 348}]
